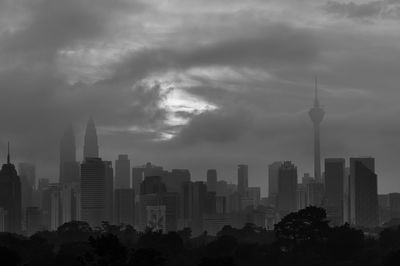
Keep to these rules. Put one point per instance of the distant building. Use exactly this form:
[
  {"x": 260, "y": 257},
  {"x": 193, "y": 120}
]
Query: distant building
[
  {"x": 34, "y": 221},
  {"x": 315, "y": 194},
  {"x": 10, "y": 196},
  {"x": 317, "y": 114},
  {"x": 27, "y": 174},
  {"x": 156, "y": 218},
  {"x": 222, "y": 188},
  {"x": 173, "y": 180},
  {"x": 137, "y": 178},
  {"x": 273, "y": 173},
  {"x": 394, "y": 205},
  {"x": 243, "y": 178},
  {"x": 109, "y": 191},
  {"x": 69, "y": 167},
  {"x": 124, "y": 206},
  {"x": 334, "y": 189},
  {"x": 287, "y": 187},
  {"x": 93, "y": 191},
  {"x": 152, "y": 185},
  {"x": 212, "y": 180},
  {"x": 122, "y": 172},
  {"x": 90, "y": 147},
  {"x": 211, "y": 202},
  {"x": 254, "y": 193},
  {"x": 363, "y": 192},
  {"x": 301, "y": 196},
  {"x": 3, "y": 217},
  {"x": 171, "y": 202},
  {"x": 198, "y": 207}
]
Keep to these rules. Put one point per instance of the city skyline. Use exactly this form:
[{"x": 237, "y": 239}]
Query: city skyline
[{"x": 192, "y": 84}]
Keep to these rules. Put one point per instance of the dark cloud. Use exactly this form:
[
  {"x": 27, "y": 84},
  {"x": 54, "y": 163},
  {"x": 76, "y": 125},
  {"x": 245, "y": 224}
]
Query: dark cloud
[
  {"x": 372, "y": 9},
  {"x": 216, "y": 126}
]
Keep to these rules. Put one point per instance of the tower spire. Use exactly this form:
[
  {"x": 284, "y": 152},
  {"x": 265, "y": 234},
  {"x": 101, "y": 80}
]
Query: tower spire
[
  {"x": 8, "y": 153},
  {"x": 316, "y": 101}
]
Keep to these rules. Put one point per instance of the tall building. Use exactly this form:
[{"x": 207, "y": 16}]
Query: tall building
[
  {"x": 273, "y": 171},
  {"x": 93, "y": 191},
  {"x": 198, "y": 207},
  {"x": 243, "y": 179},
  {"x": 363, "y": 192},
  {"x": 212, "y": 180},
  {"x": 90, "y": 147},
  {"x": 122, "y": 171},
  {"x": 287, "y": 188},
  {"x": 316, "y": 115},
  {"x": 173, "y": 180},
  {"x": 109, "y": 171},
  {"x": 69, "y": 167},
  {"x": 152, "y": 185},
  {"x": 124, "y": 206},
  {"x": 27, "y": 174},
  {"x": 10, "y": 196},
  {"x": 137, "y": 178},
  {"x": 334, "y": 189}
]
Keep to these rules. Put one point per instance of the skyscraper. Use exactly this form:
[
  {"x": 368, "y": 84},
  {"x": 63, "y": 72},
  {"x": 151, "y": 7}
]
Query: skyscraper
[
  {"x": 317, "y": 114},
  {"x": 212, "y": 180},
  {"x": 10, "y": 196},
  {"x": 69, "y": 167},
  {"x": 27, "y": 174},
  {"x": 287, "y": 188},
  {"x": 124, "y": 206},
  {"x": 122, "y": 171},
  {"x": 273, "y": 171},
  {"x": 243, "y": 179},
  {"x": 363, "y": 192},
  {"x": 91, "y": 147},
  {"x": 93, "y": 191},
  {"x": 334, "y": 189}
]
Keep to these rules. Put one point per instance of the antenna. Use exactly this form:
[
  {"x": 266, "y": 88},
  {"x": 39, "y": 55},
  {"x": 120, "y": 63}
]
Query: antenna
[
  {"x": 8, "y": 153},
  {"x": 316, "y": 102}
]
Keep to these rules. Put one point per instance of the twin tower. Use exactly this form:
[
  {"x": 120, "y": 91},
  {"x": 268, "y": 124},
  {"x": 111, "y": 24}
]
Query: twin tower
[
  {"x": 317, "y": 114},
  {"x": 69, "y": 167}
]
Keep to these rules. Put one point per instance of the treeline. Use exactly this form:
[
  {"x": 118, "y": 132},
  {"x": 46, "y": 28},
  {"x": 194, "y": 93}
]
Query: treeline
[{"x": 301, "y": 238}]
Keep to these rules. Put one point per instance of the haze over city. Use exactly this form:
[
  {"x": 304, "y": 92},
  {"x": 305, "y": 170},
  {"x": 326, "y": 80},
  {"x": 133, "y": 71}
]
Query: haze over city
[{"x": 202, "y": 84}]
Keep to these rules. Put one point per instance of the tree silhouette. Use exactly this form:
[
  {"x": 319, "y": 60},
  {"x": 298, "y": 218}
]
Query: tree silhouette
[{"x": 306, "y": 227}]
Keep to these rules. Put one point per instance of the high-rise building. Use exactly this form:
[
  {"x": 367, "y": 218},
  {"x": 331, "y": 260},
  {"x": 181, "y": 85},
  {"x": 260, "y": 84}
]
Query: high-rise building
[
  {"x": 34, "y": 221},
  {"x": 93, "y": 191},
  {"x": 315, "y": 194},
  {"x": 171, "y": 202},
  {"x": 109, "y": 191},
  {"x": 254, "y": 193},
  {"x": 10, "y": 196},
  {"x": 27, "y": 174},
  {"x": 243, "y": 178},
  {"x": 152, "y": 185},
  {"x": 287, "y": 188},
  {"x": 198, "y": 207},
  {"x": 122, "y": 171},
  {"x": 273, "y": 172},
  {"x": 124, "y": 206},
  {"x": 90, "y": 147},
  {"x": 212, "y": 180},
  {"x": 137, "y": 178},
  {"x": 70, "y": 202},
  {"x": 173, "y": 180},
  {"x": 222, "y": 188},
  {"x": 334, "y": 189},
  {"x": 363, "y": 192},
  {"x": 69, "y": 167},
  {"x": 316, "y": 115}
]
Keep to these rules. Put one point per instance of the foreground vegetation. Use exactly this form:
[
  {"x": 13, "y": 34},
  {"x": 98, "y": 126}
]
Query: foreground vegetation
[{"x": 301, "y": 238}]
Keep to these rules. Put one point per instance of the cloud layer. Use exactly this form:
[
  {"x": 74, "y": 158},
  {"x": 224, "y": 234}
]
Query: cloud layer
[{"x": 186, "y": 84}]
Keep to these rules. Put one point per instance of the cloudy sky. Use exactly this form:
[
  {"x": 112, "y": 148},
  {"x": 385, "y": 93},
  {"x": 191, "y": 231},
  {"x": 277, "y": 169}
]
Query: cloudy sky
[{"x": 202, "y": 84}]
